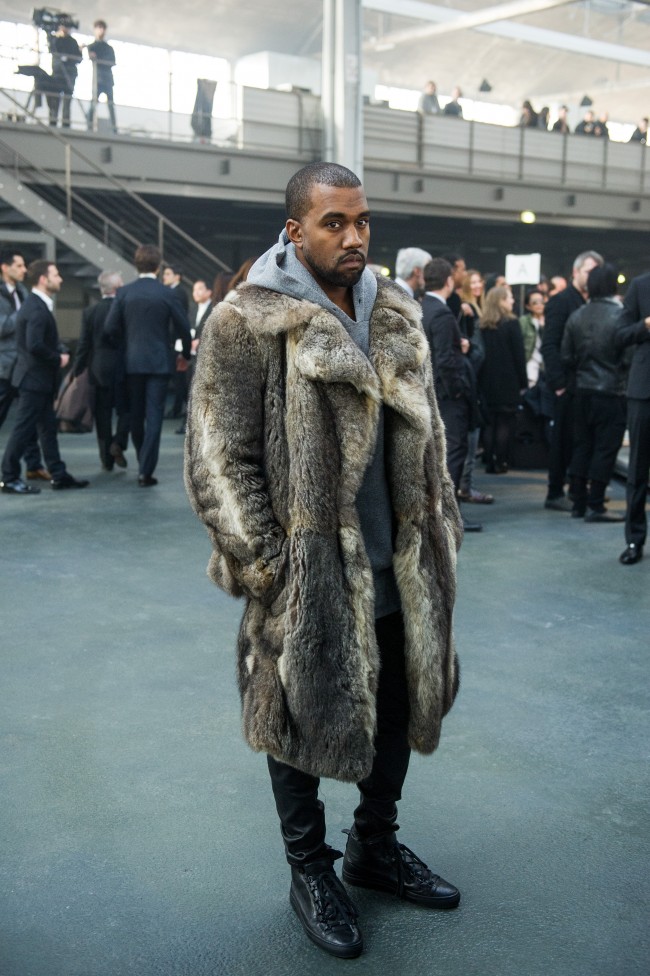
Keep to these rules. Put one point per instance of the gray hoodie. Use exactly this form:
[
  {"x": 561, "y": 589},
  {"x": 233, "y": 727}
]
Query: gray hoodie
[{"x": 280, "y": 270}]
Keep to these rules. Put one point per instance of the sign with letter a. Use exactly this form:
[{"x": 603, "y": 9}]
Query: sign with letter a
[{"x": 523, "y": 269}]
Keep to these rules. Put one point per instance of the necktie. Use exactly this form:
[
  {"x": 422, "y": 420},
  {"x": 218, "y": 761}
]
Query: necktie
[{"x": 16, "y": 299}]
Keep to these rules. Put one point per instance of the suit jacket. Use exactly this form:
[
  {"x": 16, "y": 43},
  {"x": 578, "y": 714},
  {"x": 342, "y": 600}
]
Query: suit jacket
[
  {"x": 146, "y": 318},
  {"x": 450, "y": 368},
  {"x": 556, "y": 314},
  {"x": 38, "y": 350},
  {"x": 180, "y": 295},
  {"x": 93, "y": 352},
  {"x": 204, "y": 318},
  {"x": 8, "y": 315},
  {"x": 636, "y": 310}
]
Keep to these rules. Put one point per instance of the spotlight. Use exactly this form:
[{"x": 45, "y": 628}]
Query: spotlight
[
  {"x": 621, "y": 279},
  {"x": 485, "y": 86},
  {"x": 527, "y": 217},
  {"x": 586, "y": 102}
]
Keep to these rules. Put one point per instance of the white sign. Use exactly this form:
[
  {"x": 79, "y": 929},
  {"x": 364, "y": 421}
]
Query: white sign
[{"x": 523, "y": 269}]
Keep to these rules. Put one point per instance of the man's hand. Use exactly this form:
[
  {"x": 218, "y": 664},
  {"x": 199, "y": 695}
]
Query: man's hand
[
  {"x": 467, "y": 309},
  {"x": 65, "y": 359},
  {"x": 560, "y": 392},
  {"x": 647, "y": 322},
  {"x": 464, "y": 345}
]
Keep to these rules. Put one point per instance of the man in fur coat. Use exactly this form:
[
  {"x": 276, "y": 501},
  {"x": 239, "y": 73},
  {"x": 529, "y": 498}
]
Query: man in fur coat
[{"x": 315, "y": 456}]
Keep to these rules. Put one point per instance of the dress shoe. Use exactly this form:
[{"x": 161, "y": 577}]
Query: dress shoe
[
  {"x": 603, "y": 516},
  {"x": 39, "y": 474},
  {"x": 381, "y": 863},
  {"x": 117, "y": 454},
  {"x": 472, "y": 526},
  {"x": 324, "y": 908},
  {"x": 146, "y": 481},
  {"x": 578, "y": 511},
  {"x": 559, "y": 504},
  {"x": 631, "y": 554},
  {"x": 67, "y": 481},
  {"x": 476, "y": 497},
  {"x": 18, "y": 487}
]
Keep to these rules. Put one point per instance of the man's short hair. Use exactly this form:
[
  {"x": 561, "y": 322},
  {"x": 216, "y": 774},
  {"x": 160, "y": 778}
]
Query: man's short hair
[
  {"x": 101, "y": 23},
  {"x": 453, "y": 258},
  {"x": 8, "y": 255},
  {"x": 174, "y": 268},
  {"x": 109, "y": 282},
  {"x": 436, "y": 273},
  {"x": 602, "y": 281},
  {"x": 299, "y": 187},
  {"x": 36, "y": 270},
  {"x": 580, "y": 260},
  {"x": 408, "y": 259},
  {"x": 147, "y": 258}
]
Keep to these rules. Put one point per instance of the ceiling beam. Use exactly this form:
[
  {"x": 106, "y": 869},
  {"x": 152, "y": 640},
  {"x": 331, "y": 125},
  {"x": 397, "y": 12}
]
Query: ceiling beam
[{"x": 503, "y": 29}]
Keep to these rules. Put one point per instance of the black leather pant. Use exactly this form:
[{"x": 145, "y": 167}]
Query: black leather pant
[{"x": 302, "y": 814}]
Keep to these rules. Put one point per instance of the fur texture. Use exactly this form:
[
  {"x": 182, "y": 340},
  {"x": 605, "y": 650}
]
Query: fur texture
[{"x": 281, "y": 427}]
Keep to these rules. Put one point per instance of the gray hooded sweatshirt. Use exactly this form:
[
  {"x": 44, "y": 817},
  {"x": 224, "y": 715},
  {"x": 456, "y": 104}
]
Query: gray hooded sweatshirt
[{"x": 280, "y": 270}]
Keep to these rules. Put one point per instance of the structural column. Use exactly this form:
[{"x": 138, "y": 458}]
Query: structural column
[{"x": 341, "y": 83}]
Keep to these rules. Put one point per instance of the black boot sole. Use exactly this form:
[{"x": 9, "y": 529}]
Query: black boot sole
[
  {"x": 359, "y": 881},
  {"x": 341, "y": 952}
]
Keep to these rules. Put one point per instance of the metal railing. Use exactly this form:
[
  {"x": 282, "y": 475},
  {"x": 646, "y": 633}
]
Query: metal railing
[{"x": 132, "y": 219}]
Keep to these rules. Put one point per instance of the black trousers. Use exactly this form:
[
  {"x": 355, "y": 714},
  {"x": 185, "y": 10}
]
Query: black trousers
[
  {"x": 638, "y": 472},
  {"x": 302, "y": 814},
  {"x": 105, "y": 402},
  {"x": 108, "y": 91},
  {"x": 34, "y": 417},
  {"x": 147, "y": 392},
  {"x": 455, "y": 416},
  {"x": 8, "y": 394},
  {"x": 561, "y": 444},
  {"x": 499, "y": 435},
  {"x": 598, "y": 430}
]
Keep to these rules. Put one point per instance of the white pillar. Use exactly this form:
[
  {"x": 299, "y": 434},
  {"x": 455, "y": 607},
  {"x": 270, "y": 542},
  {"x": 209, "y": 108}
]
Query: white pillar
[{"x": 341, "y": 84}]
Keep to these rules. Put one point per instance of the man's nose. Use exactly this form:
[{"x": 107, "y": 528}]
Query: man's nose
[{"x": 352, "y": 237}]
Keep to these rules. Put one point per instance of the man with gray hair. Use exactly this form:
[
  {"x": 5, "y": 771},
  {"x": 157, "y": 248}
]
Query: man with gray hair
[
  {"x": 409, "y": 269},
  {"x": 560, "y": 382},
  {"x": 105, "y": 367}
]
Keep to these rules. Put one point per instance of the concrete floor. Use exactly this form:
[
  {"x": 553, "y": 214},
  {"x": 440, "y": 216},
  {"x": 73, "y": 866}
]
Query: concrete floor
[{"x": 138, "y": 831}]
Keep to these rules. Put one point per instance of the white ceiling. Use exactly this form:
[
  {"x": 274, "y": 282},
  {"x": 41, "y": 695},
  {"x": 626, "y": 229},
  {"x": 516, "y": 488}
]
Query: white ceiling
[{"x": 517, "y": 55}]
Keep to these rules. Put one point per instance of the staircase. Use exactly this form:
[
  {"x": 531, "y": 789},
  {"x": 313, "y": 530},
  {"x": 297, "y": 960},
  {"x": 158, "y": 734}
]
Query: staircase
[{"x": 69, "y": 212}]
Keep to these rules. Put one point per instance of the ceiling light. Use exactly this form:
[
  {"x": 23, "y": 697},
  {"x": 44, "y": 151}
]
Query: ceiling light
[{"x": 527, "y": 217}]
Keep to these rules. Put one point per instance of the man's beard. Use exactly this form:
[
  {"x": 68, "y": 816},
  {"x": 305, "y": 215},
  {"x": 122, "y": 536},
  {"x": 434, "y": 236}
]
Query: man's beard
[{"x": 340, "y": 277}]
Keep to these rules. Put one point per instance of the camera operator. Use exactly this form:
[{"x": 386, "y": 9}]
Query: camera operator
[{"x": 66, "y": 56}]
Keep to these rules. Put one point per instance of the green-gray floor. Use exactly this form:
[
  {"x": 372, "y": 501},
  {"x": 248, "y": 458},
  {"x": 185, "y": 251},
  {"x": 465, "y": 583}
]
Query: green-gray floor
[{"x": 138, "y": 833}]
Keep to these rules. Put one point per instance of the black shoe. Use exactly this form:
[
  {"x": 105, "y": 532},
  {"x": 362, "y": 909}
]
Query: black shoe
[
  {"x": 595, "y": 516},
  {"x": 18, "y": 487},
  {"x": 117, "y": 454},
  {"x": 578, "y": 511},
  {"x": 180, "y": 430},
  {"x": 631, "y": 554},
  {"x": 67, "y": 481},
  {"x": 559, "y": 504},
  {"x": 146, "y": 481},
  {"x": 324, "y": 908},
  {"x": 472, "y": 526},
  {"x": 383, "y": 864}
]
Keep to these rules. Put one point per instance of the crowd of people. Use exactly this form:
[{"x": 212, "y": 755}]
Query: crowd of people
[
  {"x": 560, "y": 363},
  {"x": 565, "y": 359},
  {"x": 530, "y": 118}
]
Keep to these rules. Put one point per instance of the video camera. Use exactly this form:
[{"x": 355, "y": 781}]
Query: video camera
[{"x": 50, "y": 20}]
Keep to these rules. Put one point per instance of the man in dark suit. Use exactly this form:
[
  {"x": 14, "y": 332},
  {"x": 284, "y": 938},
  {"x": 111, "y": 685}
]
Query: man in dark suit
[
  {"x": 556, "y": 314},
  {"x": 140, "y": 321},
  {"x": 172, "y": 277},
  {"x": 39, "y": 357},
  {"x": 106, "y": 373},
  {"x": 636, "y": 332},
  {"x": 452, "y": 372},
  {"x": 202, "y": 297}
]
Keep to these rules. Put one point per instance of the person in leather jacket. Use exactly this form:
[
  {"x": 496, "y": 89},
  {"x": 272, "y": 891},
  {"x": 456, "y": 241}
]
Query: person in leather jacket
[{"x": 592, "y": 350}]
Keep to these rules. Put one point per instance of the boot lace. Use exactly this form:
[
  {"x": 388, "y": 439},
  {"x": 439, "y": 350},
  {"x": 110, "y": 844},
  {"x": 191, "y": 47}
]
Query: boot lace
[{"x": 333, "y": 907}]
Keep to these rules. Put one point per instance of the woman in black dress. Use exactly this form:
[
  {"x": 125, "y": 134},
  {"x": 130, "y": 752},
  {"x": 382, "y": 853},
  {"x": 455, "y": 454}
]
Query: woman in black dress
[{"x": 503, "y": 376}]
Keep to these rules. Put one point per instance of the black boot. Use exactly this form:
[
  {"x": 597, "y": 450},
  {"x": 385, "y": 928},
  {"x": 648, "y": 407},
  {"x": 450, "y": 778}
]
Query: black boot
[
  {"x": 383, "y": 864},
  {"x": 324, "y": 909}
]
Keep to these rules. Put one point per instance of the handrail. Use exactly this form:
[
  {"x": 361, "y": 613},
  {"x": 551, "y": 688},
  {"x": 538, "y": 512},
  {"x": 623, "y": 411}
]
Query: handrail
[
  {"x": 160, "y": 217},
  {"x": 73, "y": 195}
]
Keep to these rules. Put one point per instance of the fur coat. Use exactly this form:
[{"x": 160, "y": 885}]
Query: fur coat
[{"x": 281, "y": 426}]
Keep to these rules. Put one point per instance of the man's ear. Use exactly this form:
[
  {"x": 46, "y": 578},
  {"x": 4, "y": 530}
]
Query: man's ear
[{"x": 294, "y": 232}]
